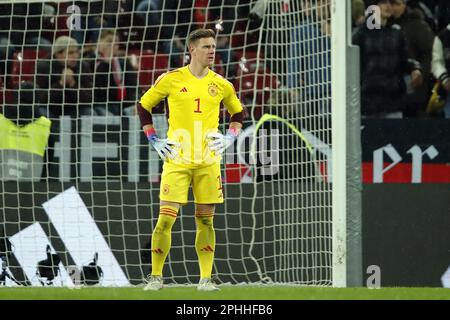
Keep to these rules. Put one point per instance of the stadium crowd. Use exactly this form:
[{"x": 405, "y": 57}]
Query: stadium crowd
[
  {"x": 403, "y": 57},
  {"x": 100, "y": 66}
]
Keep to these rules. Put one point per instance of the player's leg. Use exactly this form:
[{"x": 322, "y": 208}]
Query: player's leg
[
  {"x": 207, "y": 189},
  {"x": 161, "y": 242},
  {"x": 174, "y": 189},
  {"x": 162, "y": 235},
  {"x": 205, "y": 238}
]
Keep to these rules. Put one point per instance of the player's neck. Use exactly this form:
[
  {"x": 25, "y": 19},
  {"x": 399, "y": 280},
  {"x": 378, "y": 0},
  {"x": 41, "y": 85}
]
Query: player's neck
[{"x": 198, "y": 70}]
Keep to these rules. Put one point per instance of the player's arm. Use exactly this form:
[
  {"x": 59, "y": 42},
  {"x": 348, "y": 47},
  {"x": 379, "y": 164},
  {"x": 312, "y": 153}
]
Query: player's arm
[
  {"x": 234, "y": 107},
  {"x": 236, "y": 122},
  {"x": 159, "y": 91},
  {"x": 219, "y": 142},
  {"x": 148, "y": 101}
]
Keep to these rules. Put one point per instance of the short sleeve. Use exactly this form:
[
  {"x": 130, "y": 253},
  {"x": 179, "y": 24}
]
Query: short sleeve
[
  {"x": 159, "y": 91},
  {"x": 230, "y": 99}
]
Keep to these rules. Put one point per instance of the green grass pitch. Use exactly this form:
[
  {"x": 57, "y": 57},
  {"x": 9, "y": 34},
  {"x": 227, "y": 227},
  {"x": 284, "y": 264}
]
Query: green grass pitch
[{"x": 226, "y": 293}]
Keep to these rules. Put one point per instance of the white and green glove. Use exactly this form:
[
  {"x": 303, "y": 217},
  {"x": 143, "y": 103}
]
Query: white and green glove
[
  {"x": 164, "y": 147},
  {"x": 218, "y": 142}
]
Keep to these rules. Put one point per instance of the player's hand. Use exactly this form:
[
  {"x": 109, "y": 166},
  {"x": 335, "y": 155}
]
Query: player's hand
[
  {"x": 218, "y": 142},
  {"x": 165, "y": 148}
]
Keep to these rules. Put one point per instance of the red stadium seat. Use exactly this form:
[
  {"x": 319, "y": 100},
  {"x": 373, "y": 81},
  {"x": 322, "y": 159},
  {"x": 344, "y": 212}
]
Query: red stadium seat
[
  {"x": 238, "y": 40},
  {"x": 151, "y": 67},
  {"x": 265, "y": 81},
  {"x": 24, "y": 66},
  {"x": 138, "y": 52},
  {"x": 241, "y": 39},
  {"x": 248, "y": 60},
  {"x": 61, "y": 20},
  {"x": 256, "y": 83},
  {"x": 248, "y": 54}
]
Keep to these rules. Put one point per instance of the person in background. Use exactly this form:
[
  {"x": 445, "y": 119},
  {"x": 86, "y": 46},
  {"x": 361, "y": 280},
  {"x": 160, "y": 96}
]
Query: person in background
[
  {"x": 440, "y": 65},
  {"x": 383, "y": 64},
  {"x": 429, "y": 10},
  {"x": 24, "y": 106},
  {"x": 309, "y": 65},
  {"x": 64, "y": 82},
  {"x": 115, "y": 82},
  {"x": 358, "y": 15},
  {"x": 420, "y": 39}
]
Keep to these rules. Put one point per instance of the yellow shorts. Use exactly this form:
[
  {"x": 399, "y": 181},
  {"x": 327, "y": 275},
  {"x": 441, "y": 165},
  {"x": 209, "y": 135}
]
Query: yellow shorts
[{"x": 206, "y": 184}]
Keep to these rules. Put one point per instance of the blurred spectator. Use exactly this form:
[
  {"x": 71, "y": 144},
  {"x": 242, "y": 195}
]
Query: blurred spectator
[
  {"x": 82, "y": 20},
  {"x": 420, "y": 39},
  {"x": 24, "y": 106},
  {"x": 383, "y": 65},
  {"x": 65, "y": 83},
  {"x": 441, "y": 64},
  {"x": 177, "y": 24},
  {"x": 256, "y": 9},
  {"x": 181, "y": 17},
  {"x": 149, "y": 14},
  {"x": 21, "y": 28},
  {"x": 358, "y": 16},
  {"x": 23, "y": 23},
  {"x": 95, "y": 16},
  {"x": 310, "y": 54},
  {"x": 201, "y": 13},
  {"x": 221, "y": 19},
  {"x": 115, "y": 80},
  {"x": 150, "y": 11},
  {"x": 442, "y": 13},
  {"x": 428, "y": 9}
]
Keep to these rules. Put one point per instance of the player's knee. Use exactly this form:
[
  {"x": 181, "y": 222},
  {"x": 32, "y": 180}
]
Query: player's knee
[
  {"x": 163, "y": 226},
  {"x": 204, "y": 222},
  {"x": 207, "y": 222},
  {"x": 166, "y": 220}
]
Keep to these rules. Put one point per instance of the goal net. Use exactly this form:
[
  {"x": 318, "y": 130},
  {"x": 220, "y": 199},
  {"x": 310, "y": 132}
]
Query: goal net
[{"x": 79, "y": 183}]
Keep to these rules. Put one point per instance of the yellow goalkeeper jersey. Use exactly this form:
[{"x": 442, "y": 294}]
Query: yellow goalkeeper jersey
[{"x": 194, "y": 106}]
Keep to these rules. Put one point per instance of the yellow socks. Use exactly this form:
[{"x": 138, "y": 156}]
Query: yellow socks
[
  {"x": 162, "y": 238},
  {"x": 205, "y": 240},
  {"x": 205, "y": 243}
]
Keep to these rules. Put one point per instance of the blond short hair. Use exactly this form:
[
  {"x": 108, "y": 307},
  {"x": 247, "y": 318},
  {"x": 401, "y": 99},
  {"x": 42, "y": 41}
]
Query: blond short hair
[{"x": 62, "y": 43}]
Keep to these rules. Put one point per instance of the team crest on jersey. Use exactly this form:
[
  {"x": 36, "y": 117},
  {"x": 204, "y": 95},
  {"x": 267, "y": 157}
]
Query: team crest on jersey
[{"x": 212, "y": 89}]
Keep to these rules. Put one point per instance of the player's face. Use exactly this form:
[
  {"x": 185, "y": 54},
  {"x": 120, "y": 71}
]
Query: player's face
[{"x": 203, "y": 51}]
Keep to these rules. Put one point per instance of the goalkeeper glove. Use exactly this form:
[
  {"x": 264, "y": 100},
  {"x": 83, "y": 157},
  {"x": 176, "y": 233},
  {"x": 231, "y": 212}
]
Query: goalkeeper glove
[
  {"x": 164, "y": 147},
  {"x": 219, "y": 142}
]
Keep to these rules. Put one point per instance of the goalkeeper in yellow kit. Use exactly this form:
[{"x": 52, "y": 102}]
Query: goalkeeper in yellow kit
[{"x": 192, "y": 150}]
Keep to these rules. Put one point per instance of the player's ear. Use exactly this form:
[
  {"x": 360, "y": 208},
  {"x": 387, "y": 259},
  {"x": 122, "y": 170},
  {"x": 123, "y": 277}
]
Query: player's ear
[{"x": 191, "y": 48}]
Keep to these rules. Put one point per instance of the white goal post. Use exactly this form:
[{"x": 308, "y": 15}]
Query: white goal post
[{"x": 347, "y": 181}]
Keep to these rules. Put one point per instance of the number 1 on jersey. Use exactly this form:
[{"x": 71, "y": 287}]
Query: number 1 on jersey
[{"x": 198, "y": 106}]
